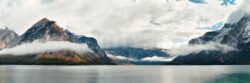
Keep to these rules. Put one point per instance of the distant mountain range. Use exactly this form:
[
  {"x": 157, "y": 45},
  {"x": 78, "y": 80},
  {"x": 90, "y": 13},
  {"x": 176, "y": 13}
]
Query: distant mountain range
[
  {"x": 137, "y": 53},
  {"x": 46, "y": 31},
  {"x": 236, "y": 35}
]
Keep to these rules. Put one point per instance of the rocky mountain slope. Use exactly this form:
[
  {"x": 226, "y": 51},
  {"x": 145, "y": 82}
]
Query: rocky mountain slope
[
  {"x": 6, "y": 36},
  {"x": 236, "y": 35},
  {"x": 46, "y": 31}
]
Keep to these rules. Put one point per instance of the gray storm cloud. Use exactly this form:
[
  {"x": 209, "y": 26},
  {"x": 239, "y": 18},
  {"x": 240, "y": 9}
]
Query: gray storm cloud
[{"x": 134, "y": 23}]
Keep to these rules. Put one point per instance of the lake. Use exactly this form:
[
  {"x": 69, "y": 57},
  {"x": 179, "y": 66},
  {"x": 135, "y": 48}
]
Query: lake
[{"x": 124, "y": 74}]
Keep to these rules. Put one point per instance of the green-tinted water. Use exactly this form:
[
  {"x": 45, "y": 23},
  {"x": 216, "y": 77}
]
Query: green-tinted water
[{"x": 124, "y": 74}]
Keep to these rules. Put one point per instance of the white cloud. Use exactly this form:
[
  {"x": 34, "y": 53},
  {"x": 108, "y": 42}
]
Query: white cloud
[
  {"x": 120, "y": 22},
  {"x": 188, "y": 49},
  {"x": 121, "y": 57},
  {"x": 157, "y": 58},
  {"x": 39, "y": 47},
  {"x": 153, "y": 58}
]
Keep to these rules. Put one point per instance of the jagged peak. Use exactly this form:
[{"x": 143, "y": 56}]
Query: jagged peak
[
  {"x": 239, "y": 19},
  {"x": 44, "y": 20},
  {"x": 242, "y": 20},
  {"x": 7, "y": 29},
  {"x": 56, "y": 28},
  {"x": 45, "y": 24}
]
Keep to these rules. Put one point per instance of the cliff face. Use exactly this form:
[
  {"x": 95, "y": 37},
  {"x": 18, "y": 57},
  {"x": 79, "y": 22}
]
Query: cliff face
[
  {"x": 236, "y": 35},
  {"x": 46, "y": 31}
]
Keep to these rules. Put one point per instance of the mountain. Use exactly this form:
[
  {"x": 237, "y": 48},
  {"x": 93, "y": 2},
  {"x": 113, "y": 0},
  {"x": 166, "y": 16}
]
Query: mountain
[
  {"x": 46, "y": 31},
  {"x": 136, "y": 53},
  {"x": 236, "y": 35},
  {"x": 6, "y": 35},
  {"x": 43, "y": 30},
  {"x": 138, "y": 56}
]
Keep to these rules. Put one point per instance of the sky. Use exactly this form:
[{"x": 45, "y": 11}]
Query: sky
[{"x": 114, "y": 23}]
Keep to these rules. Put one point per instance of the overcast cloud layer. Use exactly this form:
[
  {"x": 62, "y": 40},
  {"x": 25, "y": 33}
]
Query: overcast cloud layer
[{"x": 136, "y": 23}]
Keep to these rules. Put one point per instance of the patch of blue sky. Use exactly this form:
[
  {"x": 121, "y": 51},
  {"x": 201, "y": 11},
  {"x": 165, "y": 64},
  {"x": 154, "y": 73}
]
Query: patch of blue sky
[
  {"x": 215, "y": 27},
  {"x": 197, "y": 1},
  {"x": 227, "y": 2}
]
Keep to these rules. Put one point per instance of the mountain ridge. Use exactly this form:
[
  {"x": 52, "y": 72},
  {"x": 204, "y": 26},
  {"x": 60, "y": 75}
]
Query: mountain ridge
[
  {"x": 45, "y": 31},
  {"x": 236, "y": 35},
  {"x": 6, "y": 35}
]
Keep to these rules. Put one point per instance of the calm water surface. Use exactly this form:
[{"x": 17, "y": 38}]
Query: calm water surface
[{"x": 124, "y": 74}]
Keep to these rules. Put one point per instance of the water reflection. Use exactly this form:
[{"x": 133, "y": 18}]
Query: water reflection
[{"x": 124, "y": 74}]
